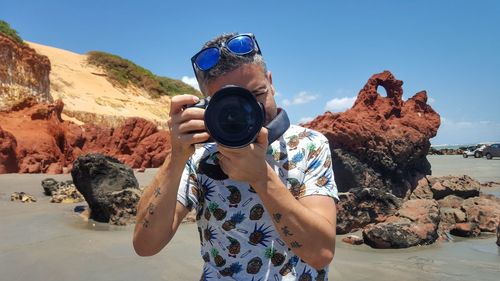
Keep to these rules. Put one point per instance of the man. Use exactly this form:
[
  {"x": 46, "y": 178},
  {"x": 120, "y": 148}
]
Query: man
[{"x": 274, "y": 218}]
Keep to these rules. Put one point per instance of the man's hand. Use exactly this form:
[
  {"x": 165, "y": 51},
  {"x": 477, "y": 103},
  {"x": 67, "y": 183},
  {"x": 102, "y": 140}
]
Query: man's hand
[
  {"x": 247, "y": 164},
  {"x": 186, "y": 127}
]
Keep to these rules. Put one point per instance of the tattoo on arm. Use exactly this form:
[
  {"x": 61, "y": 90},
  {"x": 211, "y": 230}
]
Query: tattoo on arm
[
  {"x": 151, "y": 208},
  {"x": 145, "y": 223},
  {"x": 295, "y": 244},
  {"x": 277, "y": 217},
  {"x": 157, "y": 191},
  {"x": 286, "y": 231}
]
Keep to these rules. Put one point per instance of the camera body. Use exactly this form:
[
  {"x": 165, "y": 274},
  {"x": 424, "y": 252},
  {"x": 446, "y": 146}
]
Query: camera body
[{"x": 233, "y": 117}]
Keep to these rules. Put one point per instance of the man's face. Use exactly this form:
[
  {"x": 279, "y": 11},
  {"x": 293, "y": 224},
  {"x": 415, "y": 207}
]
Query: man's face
[{"x": 252, "y": 78}]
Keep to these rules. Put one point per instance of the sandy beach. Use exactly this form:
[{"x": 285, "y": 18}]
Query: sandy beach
[{"x": 47, "y": 241}]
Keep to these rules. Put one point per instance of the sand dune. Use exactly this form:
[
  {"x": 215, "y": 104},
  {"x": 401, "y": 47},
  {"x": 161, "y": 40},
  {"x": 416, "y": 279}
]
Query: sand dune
[{"x": 88, "y": 95}]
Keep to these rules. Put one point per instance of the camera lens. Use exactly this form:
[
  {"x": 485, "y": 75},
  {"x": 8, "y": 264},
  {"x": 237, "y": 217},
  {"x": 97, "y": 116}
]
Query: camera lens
[
  {"x": 234, "y": 117},
  {"x": 233, "y": 121}
]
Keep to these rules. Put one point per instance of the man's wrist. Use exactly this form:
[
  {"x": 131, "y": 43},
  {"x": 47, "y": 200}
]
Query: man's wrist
[
  {"x": 261, "y": 183},
  {"x": 174, "y": 163}
]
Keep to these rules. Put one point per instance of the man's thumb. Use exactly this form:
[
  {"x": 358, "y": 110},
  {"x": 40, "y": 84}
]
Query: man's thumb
[{"x": 262, "y": 137}]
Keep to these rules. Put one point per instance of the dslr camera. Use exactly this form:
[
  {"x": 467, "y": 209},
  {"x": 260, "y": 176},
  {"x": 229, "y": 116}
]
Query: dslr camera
[{"x": 234, "y": 117}]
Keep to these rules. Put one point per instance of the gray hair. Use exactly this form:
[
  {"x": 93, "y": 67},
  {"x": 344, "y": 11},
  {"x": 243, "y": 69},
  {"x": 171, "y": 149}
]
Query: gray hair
[{"x": 227, "y": 62}]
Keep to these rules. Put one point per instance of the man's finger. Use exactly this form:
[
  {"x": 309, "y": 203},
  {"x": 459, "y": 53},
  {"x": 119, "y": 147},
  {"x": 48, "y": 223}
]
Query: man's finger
[
  {"x": 194, "y": 137},
  {"x": 178, "y": 102},
  {"x": 191, "y": 126}
]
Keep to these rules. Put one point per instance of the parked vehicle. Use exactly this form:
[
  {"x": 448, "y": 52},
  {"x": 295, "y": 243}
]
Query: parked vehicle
[
  {"x": 469, "y": 151},
  {"x": 492, "y": 150},
  {"x": 476, "y": 151}
]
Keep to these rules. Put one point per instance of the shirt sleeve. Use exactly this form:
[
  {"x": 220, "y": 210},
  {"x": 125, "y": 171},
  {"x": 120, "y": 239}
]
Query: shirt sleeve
[
  {"x": 319, "y": 178},
  {"x": 188, "y": 187}
]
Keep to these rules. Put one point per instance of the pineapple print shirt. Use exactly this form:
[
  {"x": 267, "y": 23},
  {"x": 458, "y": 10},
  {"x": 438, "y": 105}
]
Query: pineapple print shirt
[{"x": 238, "y": 238}]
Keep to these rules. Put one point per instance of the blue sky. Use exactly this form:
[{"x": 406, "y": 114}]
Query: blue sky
[{"x": 320, "y": 52}]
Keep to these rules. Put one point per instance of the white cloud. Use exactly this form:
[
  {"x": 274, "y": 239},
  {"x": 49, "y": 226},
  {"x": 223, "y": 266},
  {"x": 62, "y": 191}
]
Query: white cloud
[
  {"x": 340, "y": 104},
  {"x": 305, "y": 119},
  {"x": 191, "y": 81},
  {"x": 466, "y": 132},
  {"x": 300, "y": 98}
]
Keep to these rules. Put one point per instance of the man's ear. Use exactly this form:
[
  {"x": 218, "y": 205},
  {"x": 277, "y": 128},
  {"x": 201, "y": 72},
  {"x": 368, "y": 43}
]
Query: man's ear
[{"x": 269, "y": 76}]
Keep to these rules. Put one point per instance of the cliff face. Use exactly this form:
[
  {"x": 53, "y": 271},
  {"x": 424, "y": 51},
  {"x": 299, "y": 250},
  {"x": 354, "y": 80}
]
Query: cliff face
[
  {"x": 35, "y": 139},
  {"x": 23, "y": 73},
  {"x": 38, "y": 135}
]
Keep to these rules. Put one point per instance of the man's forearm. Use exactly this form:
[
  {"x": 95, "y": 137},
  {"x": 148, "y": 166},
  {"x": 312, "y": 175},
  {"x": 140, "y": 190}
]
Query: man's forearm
[
  {"x": 310, "y": 235},
  {"x": 156, "y": 210}
]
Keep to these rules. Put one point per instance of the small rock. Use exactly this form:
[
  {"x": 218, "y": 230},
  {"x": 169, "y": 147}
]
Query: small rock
[
  {"x": 22, "y": 197},
  {"x": 353, "y": 240},
  {"x": 141, "y": 170},
  {"x": 49, "y": 185},
  {"x": 466, "y": 229},
  {"x": 79, "y": 209},
  {"x": 67, "y": 195}
]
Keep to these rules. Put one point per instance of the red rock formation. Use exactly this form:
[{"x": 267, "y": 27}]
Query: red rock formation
[
  {"x": 23, "y": 73},
  {"x": 380, "y": 136},
  {"x": 47, "y": 144}
]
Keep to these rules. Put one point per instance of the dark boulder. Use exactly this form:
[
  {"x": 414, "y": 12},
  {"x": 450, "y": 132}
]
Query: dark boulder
[
  {"x": 99, "y": 179},
  {"x": 363, "y": 206}
]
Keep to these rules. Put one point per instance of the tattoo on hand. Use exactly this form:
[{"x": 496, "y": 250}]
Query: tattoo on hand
[
  {"x": 157, "y": 191},
  {"x": 151, "y": 208},
  {"x": 145, "y": 223},
  {"x": 277, "y": 217},
  {"x": 295, "y": 244},
  {"x": 286, "y": 231}
]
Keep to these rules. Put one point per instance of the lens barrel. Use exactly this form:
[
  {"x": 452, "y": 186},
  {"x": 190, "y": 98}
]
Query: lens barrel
[{"x": 233, "y": 117}]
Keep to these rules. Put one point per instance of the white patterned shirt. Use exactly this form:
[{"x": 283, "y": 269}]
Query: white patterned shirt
[{"x": 238, "y": 238}]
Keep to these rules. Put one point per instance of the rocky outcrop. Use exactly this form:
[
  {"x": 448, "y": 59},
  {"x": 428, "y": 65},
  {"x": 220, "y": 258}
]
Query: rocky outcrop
[
  {"x": 416, "y": 223},
  {"x": 23, "y": 74},
  {"x": 445, "y": 151},
  {"x": 381, "y": 142},
  {"x": 379, "y": 149},
  {"x": 360, "y": 207},
  {"x": 109, "y": 187},
  {"x": 35, "y": 139}
]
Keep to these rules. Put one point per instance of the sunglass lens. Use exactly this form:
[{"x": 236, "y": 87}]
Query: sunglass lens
[
  {"x": 207, "y": 58},
  {"x": 241, "y": 45}
]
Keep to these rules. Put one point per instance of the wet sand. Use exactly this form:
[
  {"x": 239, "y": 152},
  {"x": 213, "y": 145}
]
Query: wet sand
[{"x": 46, "y": 241}]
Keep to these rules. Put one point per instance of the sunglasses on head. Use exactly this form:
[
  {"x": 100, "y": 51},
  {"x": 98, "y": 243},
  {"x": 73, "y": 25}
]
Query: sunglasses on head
[{"x": 241, "y": 44}]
